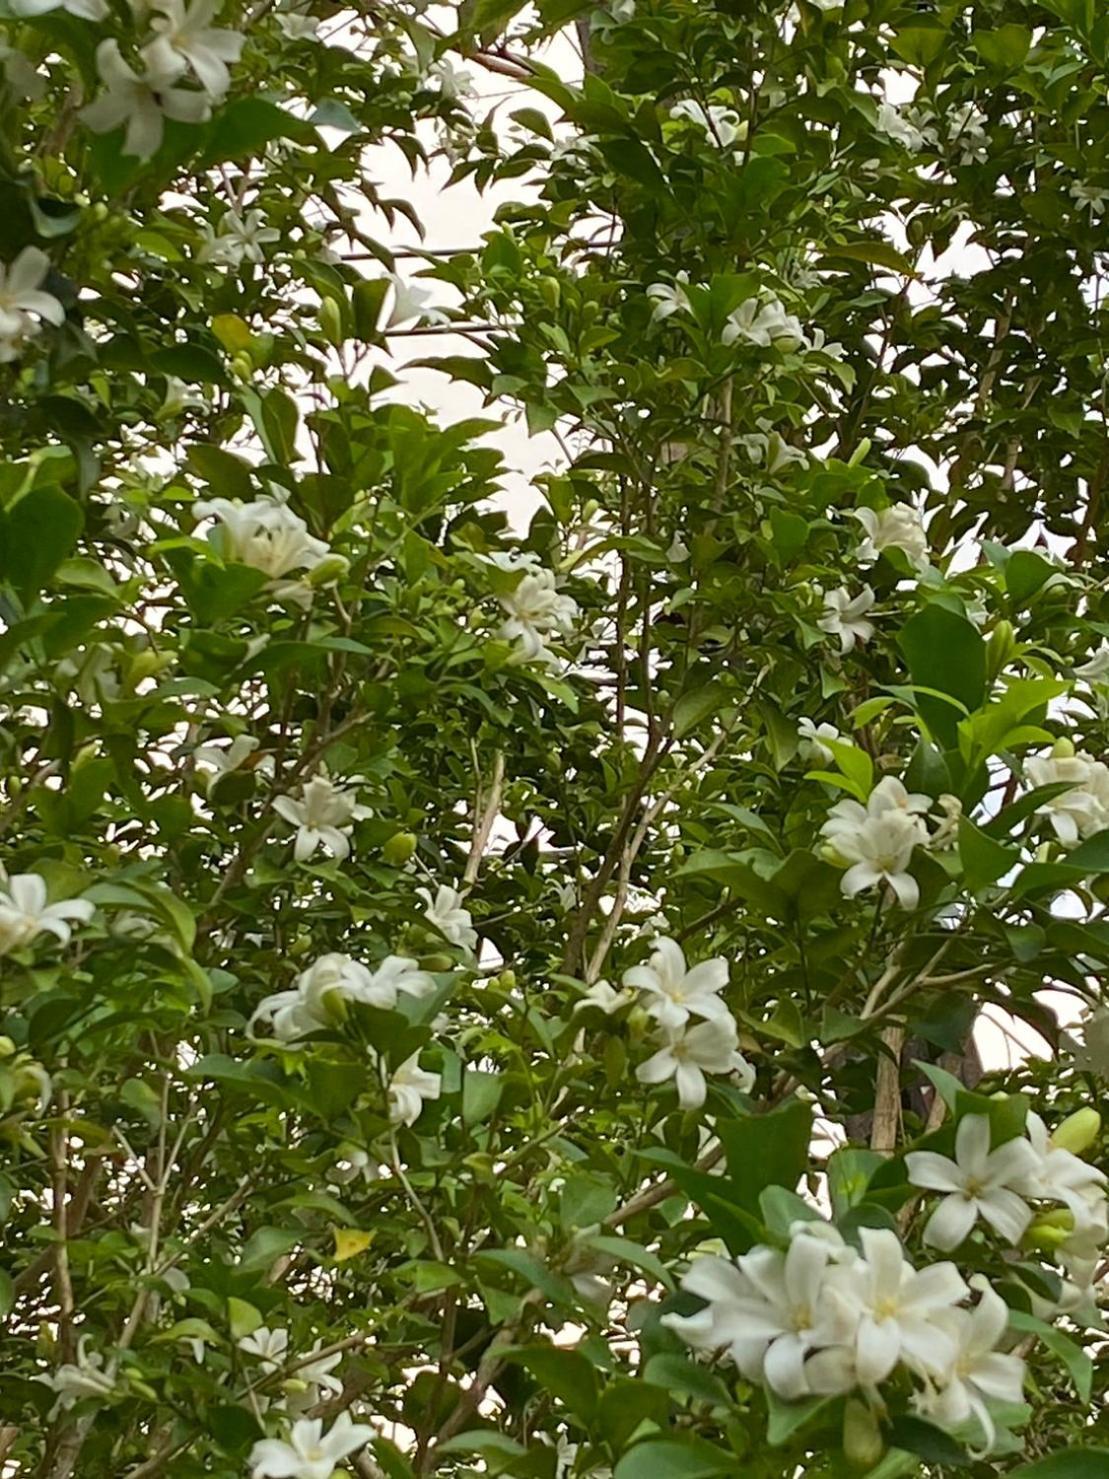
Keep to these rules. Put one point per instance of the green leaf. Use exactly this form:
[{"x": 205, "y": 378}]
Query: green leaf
[
  {"x": 567, "y": 1375},
  {"x": 849, "y": 1171},
  {"x": 481, "y": 1094},
  {"x": 36, "y": 534},
  {"x": 625, "y": 1404},
  {"x": 1005, "y": 48},
  {"x": 246, "y": 126},
  {"x": 765, "y": 1150},
  {"x": 190, "y": 362},
  {"x": 1025, "y": 573},
  {"x": 931, "y": 1443},
  {"x": 878, "y": 253},
  {"x": 784, "y": 1419},
  {"x": 586, "y": 1199},
  {"x": 264, "y": 1246},
  {"x": 984, "y": 860},
  {"x": 481, "y": 1440},
  {"x": 1078, "y": 1363},
  {"x": 1075, "y": 1463},
  {"x": 671, "y": 1458},
  {"x": 692, "y": 708},
  {"x": 944, "y": 651},
  {"x": 689, "y": 1378}
]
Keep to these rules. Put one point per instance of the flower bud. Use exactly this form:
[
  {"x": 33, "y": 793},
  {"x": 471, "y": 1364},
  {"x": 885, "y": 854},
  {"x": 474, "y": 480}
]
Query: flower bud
[
  {"x": 1062, "y": 749},
  {"x": 1078, "y": 1131},
  {"x": 1050, "y": 1230},
  {"x": 862, "y": 1438},
  {"x": 1000, "y": 648},
  {"x": 7, "y": 1047},
  {"x": 399, "y": 849},
  {"x": 330, "y": 568},
  {"x": 331, "y": 322},
  {"x": 243, "y": 366},
  {"x": 639, "y": 1024},
  {"x": 550, "y": 290},
  {"x": 507, "y": 980}
]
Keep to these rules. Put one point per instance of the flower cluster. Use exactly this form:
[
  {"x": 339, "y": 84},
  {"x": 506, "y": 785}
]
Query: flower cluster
[
  {"x": 536, "y": 609},
  {"x": 240, "y": 237},
  {"x": 765, "y": 323},
  {"x": 1082, "y": 810},
  {"x": 823, "y": 1317},
  {"x": 877, "y": 840},
  {"x": 318, "y": 997},
  {"x": 898, "y": 527},
  {"x": 181, "y": 42},
  {"x": 268, "y": 536},
  {"x": 309, "y": 1452},
  {"x": 24, "y": 307},
  {"x": 998, "y": 1185},
  {"x": 673, "y": 994}
]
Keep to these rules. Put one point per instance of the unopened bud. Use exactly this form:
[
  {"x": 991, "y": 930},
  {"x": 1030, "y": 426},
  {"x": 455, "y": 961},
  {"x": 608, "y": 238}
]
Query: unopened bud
[
  {"x": 1050, "y": 1230},
  {"x": 639, "y": 1024},
  {"x": 1000, "y": 648},
  {"x": 1062, "y": 749},
  {"x": 399, "y": 849},
  {"x": 331, "y": 322},
  {"x": 550, "y": 290},
  {"x": 1078, "y": 1131},
  {"x": 329, "y": 569},
  {"x": 862, "y": 1437},
  {"x": 507, "y": 980},
  {"x": 7, "y": 1047},
  {"x": 243, "y": 366}
]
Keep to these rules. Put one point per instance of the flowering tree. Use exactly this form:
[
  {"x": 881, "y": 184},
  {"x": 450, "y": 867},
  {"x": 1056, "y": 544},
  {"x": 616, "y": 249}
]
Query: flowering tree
[{"x": 492, "y": 1001}]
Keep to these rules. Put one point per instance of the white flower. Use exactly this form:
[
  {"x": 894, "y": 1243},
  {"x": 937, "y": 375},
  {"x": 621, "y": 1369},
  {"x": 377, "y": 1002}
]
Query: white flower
[
  {"x": 1059, "y": 1175},
  {"x": 602, "y": 994},
  {"x": 810, "y": 737},
  {"x": 309, "y": 1453},
  {"x": 894, "y": 125},
  {"x": 536, "y": 611},
  {"x": 445, "y": 913},
  {"x": 845, "y": 617},
  {"x": 770, "y": 1312},
  {"x": 689, "y": 1053},
  {"x": 264, "y": 534},
  {"x": 1081, "y": 811},
  {"x": 73, "y": 1382},
  {"x": 24, "y": 307},
  {"x": 454, "y": 82},
  {"x": 1092, "y": 197},
  {"x": 295, "y": 26},
  {"x": 899, "y": 1314},
  {"x": 765, "y": 324},
  {"x": 979, "y": 1372},
  {"x": 897, "y": 527},
  {"x": 271, "y": 1347},
  {"x": 408, "y": 1088},
  {"x": 968, "y": 134},
  {"x": 978, "y": 1182},
  {"x": 410, "y": 305},
  {"x": 319, "y": 1383},
  {"x": 324, "y": 817},
  {"x": 24, "y": 912},
  {"x": 238, "y": 239},
  {"x": 947, "y": 828},
  {"x": 315, "y": 1001},
  {"x": 818, "y": 344},
  {"x": 721, "y": 124},
  {"x": 878, "y": 840},
  {"x": 86, "y": 10},
  {"x": 186, "y": 34},
  {"x": 20, "y": 74},
  {"x": 143, "y": 102},
  {"x": 669, "y": 298},
  {"x": 677, "y": 992},
  {"x": 222, "y": 762},
  {"x": 1096, "y": 666}
]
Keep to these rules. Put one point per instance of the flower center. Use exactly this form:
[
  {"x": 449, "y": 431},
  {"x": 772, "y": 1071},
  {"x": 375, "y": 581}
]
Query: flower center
[{"x": 886, "y": 1309}]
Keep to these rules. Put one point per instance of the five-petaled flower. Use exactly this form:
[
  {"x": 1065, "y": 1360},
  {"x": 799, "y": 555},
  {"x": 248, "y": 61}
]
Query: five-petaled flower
[
  {"x": 24, "y": 306},
  {"x": 324, "y": 816},
  {"x": 844, "y": 616},
  {"x": 142, "y": 101},
  {"x": 409, "y": 1086},
  {"x": 688, "y": 1053},
  {"x": 676, "y": 992},
  {"x": 24, "y": 912},
  {"x": 979, "y": 1182},
  {"x": 309, "y": 1453}
]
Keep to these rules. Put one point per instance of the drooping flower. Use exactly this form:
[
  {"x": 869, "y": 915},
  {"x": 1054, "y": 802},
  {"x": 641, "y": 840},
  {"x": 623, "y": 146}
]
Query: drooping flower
[
  {"x": 409, "y": 1086},
  {"x": 315, "y": 1001},
  {"x": 604, "y": 995},
  {"x": 1096, "y": 666},
  {"x": 269, "y": 1347},
  {"x": 324, "y": 817},
  {"x": 185, "y": 33},
  {"x": 979, "y": 1373},
  {"x": 979, "y": 1182},
  {"x": 769, "y": 1310},
  {"x": 677, "y": 992},
  {"x": 1057, "y": 1174},
  {"x": 722, "y": 124},
  {"x": 264, "y": 534},
  {"x": 309, "y": 1453},
  {"x": 1092, "y": 198},
  {"x": 893, "y": 123},
  {"x": 898, "y": 527},
  {"x": 24, "y": 912},
  {"x": 811, "y": 736},
  {"x": 217, "y": 761},
  {"x": 445, "y": 913},
  {"x": 239, "y": 238},
  {"x": 313, "y": 1382},
  {"x": 899, "y": 1312},
  {"x": 410, "y": 305},
  {"x": 947, "y": 828},
  {"x": 142, "y": 102},
  {"x": 24, "y": 307},
  {"x": 76, "y": 1381},
  {"x": 764, "y": 323},
  {"x": 845, "y": 617},
  {"x": 1084, "y": 809},
  {"x": 689, "y": 1053},
  {"x": 669, "y": 298}
]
